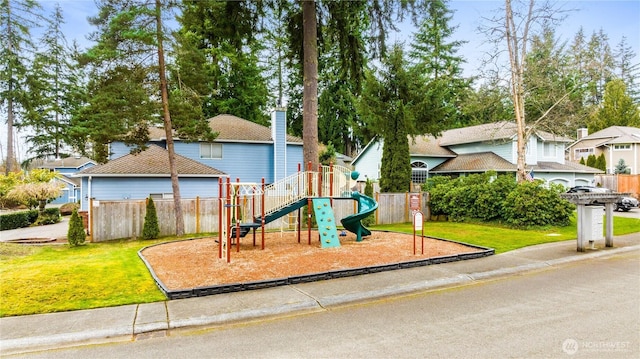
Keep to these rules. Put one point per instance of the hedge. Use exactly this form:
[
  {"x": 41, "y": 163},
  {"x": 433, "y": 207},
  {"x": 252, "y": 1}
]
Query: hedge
[{"x": 18, "y": 219}]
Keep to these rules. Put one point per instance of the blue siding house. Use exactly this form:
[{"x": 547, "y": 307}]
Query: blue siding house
[
  {"x": 242, "y": 150},
  {"x": 479, "y": 149},
  {"x": 66, "y": 167}
]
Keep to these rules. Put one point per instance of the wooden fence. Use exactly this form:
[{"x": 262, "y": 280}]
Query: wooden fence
[
  {"x": 620, "y": 183},
  {"x": 110, "y": 220}
]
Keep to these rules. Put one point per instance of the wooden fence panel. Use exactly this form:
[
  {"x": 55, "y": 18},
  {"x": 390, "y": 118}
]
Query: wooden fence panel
[
  {"x": 629, "y": 184},
  {"x": 125, "y": 219},
  {"x": 620, "y": 183}
]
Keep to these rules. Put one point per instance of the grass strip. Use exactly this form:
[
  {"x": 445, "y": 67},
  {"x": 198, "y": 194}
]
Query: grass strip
[{"x": 44, "y": 279}]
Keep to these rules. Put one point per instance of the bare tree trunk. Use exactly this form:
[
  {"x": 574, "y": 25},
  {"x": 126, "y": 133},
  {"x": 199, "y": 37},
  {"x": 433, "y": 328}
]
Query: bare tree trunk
[
  {"x": 10, "y": 154},
  {"x": 168, "y": 126},
  {"x": 310, "y": 83},
  {"x": 517, "y": 56}
]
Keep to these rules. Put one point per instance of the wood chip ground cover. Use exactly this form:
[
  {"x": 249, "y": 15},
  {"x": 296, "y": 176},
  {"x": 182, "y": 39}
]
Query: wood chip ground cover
[{"x": 195, "y": 263}]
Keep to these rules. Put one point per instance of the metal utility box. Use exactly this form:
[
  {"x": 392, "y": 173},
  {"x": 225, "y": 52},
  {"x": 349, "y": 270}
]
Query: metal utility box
[{"x": 593, "y": 223}]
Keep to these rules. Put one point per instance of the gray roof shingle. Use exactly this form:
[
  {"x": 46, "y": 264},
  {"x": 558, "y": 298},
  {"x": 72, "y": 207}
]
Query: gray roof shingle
[
  {"x": 152, "y": 162},
  {"x": 498, "y": 131},
  {"x": 232, "y": 128}
]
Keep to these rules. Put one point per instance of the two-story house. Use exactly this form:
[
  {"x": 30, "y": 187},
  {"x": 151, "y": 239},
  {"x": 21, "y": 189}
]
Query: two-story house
[
  {"x": 242, "y": 150},
  {"x": 616, "y": 142},
  {"x": 477, "y": 149}
]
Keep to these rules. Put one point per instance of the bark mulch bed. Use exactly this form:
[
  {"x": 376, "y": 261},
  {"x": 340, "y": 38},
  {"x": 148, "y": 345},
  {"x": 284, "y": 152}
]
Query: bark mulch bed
[{"x": 194, "y": 263}]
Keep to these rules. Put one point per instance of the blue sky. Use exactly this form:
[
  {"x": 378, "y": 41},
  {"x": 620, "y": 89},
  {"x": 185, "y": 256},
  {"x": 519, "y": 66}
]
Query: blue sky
[{"x": 617, "y": 18}]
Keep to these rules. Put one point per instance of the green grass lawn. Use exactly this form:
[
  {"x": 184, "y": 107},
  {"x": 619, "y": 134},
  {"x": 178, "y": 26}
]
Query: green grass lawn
[
  {"x": 44, "y": 279},
  {"x": 504, "y": 239}
]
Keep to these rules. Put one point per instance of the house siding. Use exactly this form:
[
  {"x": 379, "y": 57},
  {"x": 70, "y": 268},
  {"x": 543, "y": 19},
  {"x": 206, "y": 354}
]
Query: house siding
[
  {"x": 556, "y": 155},
  {"x": 504, "y": 150},
  {"x": 118, "y": 188},
  {"x": 368, "y": 164}
]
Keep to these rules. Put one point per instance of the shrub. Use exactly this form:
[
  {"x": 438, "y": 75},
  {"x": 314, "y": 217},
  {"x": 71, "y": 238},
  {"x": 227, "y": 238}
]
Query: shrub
[
  {"x": 533, "y": 204},
  {"x": 17, "y": 219},
  {"x": 150, "y": 229},
  {"x": 489, "y": 197},
  {"x": 75, "y": 233},
  {"x": 49, "y": 216}
]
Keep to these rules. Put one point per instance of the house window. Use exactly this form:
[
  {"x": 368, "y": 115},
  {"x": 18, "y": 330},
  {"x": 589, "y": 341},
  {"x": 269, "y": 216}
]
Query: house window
[
  {"x": 622, "y": 147},
  {"x": 550, "y": 149},
  {"x": 419, "y": 172},
  {"x": 161, "y": 195},
  {"x": 211, "y": 150},
  {"x": 582, "y": 153}
]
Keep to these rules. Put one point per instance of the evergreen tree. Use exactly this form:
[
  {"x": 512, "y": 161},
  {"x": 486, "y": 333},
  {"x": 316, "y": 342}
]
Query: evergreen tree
[
  {"x": 553, "y": 93},
  {"x": 17, "y": 19},
  {"x": 601, "y": 163},
  {"x": 618, "y": 109},
  {"x": 489, "y": 103},
  {"x": 591, "y": 161},
  {"x": 75, "y": 233},
  {"x": 218, "y": 57},
  {"x": 131, "y": 89},
  {"x": 599, "y": 66},
  {"x": 627, "y": 70},
  {"x": 582, "y": 162},
  {"x": 622, "y": 167},
  {"x": 436, "y": 60},
  {"x": 150, "y": 228},
  {"x": 54, "y": 86},
  {"x": 389, "y": 101}
]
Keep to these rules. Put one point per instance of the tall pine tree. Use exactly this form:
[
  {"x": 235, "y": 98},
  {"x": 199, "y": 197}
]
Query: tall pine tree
[{"x": 17, "y": 19}]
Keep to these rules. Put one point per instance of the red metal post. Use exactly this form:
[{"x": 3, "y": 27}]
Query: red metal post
[
  {"x": 237, "y": 212},
  {"x": 262, "y": 217},
  {"x": 309, "y": 203},
  {"x": 220, "y": 209},
  {"x": 229, "y": 215}
]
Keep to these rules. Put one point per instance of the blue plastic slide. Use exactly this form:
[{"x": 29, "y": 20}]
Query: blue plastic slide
[{"x": 352, "y": 223}]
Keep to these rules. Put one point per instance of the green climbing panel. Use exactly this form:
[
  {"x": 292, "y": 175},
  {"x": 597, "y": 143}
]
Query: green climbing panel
[{"x": 326, "y": 223}]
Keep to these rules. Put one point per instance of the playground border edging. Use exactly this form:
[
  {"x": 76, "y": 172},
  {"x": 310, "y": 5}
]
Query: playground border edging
[{"x": 312, "y": 277}]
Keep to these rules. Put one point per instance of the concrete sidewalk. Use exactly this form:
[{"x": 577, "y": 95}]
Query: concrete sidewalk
[{"x": 129, "y": 322}]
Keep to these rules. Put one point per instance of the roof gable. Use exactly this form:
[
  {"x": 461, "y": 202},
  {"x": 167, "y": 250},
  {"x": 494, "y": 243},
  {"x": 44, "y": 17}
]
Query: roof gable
[
  {"x": 497, "y": 131},
  {"x": 154, "y": 161},
  {"x": 232, "y": 128},
  {"x": 502, "y": 131},
  {"x": 69, "y": 162},
  {"x": 614, "y": 131},
  {"x": 475, "y": 162}
]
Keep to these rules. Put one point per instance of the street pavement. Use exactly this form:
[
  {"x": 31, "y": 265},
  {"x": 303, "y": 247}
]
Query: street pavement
[{"x": 132, "y": 322}]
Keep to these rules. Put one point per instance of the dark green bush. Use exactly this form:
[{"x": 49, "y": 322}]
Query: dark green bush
[
  {"x": 75, "y": 233},
  {"x": 150, "y": 228},
  {"x": 533, "y": 204},
  {"x": 49, "y": 216},
  {"x": 17, "y": 219},
  {"x": 488, "y": 197}
]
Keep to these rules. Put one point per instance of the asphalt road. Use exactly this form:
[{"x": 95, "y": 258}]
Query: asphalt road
[{"x": 586, "y": 309}]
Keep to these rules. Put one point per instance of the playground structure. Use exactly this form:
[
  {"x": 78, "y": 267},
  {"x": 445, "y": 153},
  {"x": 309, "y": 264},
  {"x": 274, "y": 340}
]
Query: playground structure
[{"x": 245, "y": 207}]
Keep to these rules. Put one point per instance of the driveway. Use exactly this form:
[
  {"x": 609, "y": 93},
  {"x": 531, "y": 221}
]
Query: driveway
[{"x": 58, "y": 231}]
